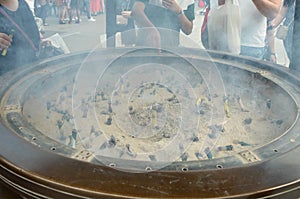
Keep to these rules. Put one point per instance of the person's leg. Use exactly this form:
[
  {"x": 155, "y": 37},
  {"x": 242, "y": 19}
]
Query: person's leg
[
  {"x": 63, "y": 14},
  {"x": 88, "y": 8},
  {"x": 92, "y": 7},
  {"x": 71, "y": 11},
  {"x": 44, "y": 14},
  {"x": 77, "y": 13},
  {"x": 102, "y": 6},
  {"x": 55, "y": 9},
  {"x": 99, "y": 6}
]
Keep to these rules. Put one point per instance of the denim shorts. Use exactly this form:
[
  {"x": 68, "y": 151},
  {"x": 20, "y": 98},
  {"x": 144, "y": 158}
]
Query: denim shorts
[{"x": 256, "y": 52}]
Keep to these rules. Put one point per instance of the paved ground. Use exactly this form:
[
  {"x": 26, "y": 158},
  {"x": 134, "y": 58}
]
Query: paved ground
[{"x": 78, "y": 37}]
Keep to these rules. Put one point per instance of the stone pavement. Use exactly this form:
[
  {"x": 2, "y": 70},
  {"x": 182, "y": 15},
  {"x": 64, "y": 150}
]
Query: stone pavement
[{"x": 78, "y": 37}]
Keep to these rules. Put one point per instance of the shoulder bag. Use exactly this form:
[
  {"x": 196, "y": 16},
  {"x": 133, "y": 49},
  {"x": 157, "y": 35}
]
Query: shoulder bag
[{"x": 224, "y": 27}]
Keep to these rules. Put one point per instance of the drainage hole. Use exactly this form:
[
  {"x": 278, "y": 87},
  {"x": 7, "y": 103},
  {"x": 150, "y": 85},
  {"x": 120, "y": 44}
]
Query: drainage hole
[
  {"x": 185, "y": 169},
  {"x": 112, "y": 164},
  {"x": 148, "y": 169},
  {"x": 219, "y": 166}
]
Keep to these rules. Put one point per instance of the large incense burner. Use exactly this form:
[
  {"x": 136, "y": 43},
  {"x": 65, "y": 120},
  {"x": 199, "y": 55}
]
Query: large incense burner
[{"x": 137, "y": 123}]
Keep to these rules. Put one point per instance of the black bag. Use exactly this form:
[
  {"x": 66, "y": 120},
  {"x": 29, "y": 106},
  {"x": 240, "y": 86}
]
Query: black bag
[{"x": 47, "y": 50}]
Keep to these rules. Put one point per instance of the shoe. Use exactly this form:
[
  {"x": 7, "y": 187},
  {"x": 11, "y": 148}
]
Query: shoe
[
  {"x": 61, "y": 22},
  {"x": 77, "y": 21},
  {"x": 91, "y": 19},
  {"x": 45, "y": 24}
]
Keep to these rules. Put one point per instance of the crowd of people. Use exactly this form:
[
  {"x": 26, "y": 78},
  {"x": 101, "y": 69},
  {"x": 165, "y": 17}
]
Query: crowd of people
[
  {"x": 68, "y": 11},
  {"x": 156, "y": 23},
  {"x": 258, "y": 32}
]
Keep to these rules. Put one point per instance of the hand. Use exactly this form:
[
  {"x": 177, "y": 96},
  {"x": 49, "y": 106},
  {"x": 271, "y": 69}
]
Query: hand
[
  {"x": 5, "y": 41},
  {"x": 273, "y": 58},
  {"x": 172, "y": 5},
  {"x": 126, "y": 14}
]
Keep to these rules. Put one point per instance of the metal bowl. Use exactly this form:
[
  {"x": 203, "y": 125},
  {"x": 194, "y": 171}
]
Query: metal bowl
[{"x": 137, "y": 123}]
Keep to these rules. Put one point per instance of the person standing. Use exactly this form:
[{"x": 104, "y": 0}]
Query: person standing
[
  {"x": 15, "y": 49},
  {"x": 95, "y": 7},
  {"x": 62, "y": 6},
  {"x": 128, "y": 34},
  {"x": 87, "y": 4},
  {"x": 101, "y": 6},
  {"x": 160, "y": 21},
  {"x": 254, "y": 15},
  {"x": 75, "y": 7},
  {"x": 286, "y": 17},
  {"x": 41, "y": 9}
]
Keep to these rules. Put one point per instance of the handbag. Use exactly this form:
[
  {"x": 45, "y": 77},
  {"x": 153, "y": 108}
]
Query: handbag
[{"x": 224, "y": 27}]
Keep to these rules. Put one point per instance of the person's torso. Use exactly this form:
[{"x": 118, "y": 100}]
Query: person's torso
[
  {"x": 253, "y": 23},
  {"x": 182, "y": 3},
  {"x": 20, "y": 52},
  {"x": 167, "y": 21}
]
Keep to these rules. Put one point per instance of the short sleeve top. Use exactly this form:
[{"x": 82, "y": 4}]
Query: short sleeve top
[
  {"x": 20, "y": 52},
  {"x": 166, "y": 20}
]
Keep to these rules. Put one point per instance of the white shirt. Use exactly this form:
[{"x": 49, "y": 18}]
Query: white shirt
[{"x": 253, "y": 24}]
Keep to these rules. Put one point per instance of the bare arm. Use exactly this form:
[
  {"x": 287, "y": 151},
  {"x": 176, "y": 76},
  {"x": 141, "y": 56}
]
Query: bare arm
[
  {"x": 139, "y": 15},
  {"x": 185, "y": 24},
  {"x": 271, "y": 45},
  {"x": 268, "y": 8},
  {"x": 271, "y": 32},
  {"x": 279, "y": 18},
  {"x": 142, "y": 21}
]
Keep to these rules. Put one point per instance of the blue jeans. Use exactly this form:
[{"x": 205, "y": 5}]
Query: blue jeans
[
  {"x": 87, "y": 4},
  {"x": 256, "y": 52}
]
